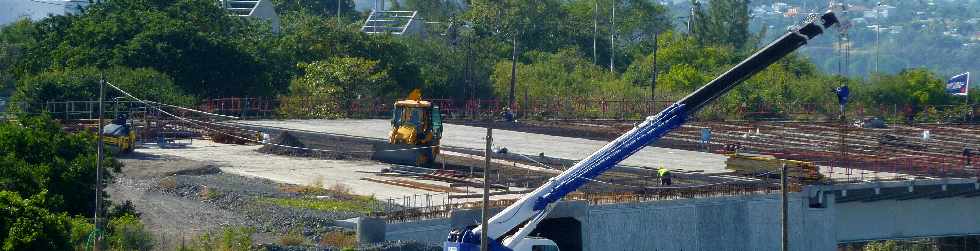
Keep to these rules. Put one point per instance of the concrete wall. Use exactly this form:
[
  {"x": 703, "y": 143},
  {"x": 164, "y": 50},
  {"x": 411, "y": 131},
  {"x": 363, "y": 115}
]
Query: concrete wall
[
  {"x": 738, "y": 223},
  {"x": 434, "y": 230},
  {"x": 898, "y": 219},
  {"x": 743, "y": 223}
]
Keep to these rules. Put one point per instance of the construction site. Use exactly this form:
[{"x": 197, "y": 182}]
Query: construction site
[
  {"x": 423, "y": 173},
  {"x": 229, "y": 153}
]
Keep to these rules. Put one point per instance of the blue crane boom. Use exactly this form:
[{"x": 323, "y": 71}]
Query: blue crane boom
[{"x": 533, "y": 207}]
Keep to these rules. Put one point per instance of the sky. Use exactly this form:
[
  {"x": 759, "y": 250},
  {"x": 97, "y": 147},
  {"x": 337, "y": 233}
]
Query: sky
[{"x": 11, "y": 10}]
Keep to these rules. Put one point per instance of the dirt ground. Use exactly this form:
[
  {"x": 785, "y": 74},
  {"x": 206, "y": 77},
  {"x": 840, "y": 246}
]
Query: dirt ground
[{"x": 180, "y": 199}]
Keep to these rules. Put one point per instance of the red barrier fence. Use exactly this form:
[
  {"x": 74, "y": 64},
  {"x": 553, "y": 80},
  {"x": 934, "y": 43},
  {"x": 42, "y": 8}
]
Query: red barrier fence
[{"x": 570, "y": 109}]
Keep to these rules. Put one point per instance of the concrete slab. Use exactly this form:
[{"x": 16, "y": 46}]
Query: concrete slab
[
  {"x": 517, "y": 142},
  {"x": 245, "y": 160}
]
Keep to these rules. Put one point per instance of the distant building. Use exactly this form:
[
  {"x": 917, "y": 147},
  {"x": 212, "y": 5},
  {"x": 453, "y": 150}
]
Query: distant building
[
  {"x": 254, "y": 9},
  {"x": 393, "y": 22}
]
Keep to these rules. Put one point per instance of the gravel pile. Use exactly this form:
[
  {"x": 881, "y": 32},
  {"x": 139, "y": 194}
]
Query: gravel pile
[
  {"x": 286, "y": 139},
  {"x": 243, "y": 195}
]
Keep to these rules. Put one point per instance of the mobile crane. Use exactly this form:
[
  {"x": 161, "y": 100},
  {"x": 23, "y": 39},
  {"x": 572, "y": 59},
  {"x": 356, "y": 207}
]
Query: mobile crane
[{"x": 509, "y": 229}]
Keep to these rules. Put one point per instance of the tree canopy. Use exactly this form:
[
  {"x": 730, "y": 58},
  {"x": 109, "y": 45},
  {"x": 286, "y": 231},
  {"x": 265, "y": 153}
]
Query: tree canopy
[{"x": 180, "y": 51}]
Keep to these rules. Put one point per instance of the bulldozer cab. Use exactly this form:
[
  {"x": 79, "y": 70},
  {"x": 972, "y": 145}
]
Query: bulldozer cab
[
  {"x": 416, "y": 122},
  {"x": 414, "y": 115},
  {"x": 415, "y": 134}
]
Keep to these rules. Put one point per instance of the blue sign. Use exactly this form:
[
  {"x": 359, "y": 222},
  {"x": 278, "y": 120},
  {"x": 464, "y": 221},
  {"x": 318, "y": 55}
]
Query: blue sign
[{"x": 959, "y": 85}]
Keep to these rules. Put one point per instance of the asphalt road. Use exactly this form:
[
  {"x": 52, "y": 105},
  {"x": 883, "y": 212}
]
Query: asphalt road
[{"x": 517, "y": 142}]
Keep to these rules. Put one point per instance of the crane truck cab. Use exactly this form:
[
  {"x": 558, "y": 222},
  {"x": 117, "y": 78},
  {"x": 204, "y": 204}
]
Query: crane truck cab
[
  {"x": 536, "y": 244},
  {"x": 527, "y": 243}
]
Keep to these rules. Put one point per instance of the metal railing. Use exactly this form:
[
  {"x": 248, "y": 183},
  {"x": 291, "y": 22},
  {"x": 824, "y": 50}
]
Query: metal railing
[
  {"x": 583, "y": 109},
  {"x": 674, "y": 193}
]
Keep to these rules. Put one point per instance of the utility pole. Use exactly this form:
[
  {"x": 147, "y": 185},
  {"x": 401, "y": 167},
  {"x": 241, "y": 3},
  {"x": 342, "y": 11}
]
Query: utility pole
[
  {"x": 513, "y": 74},
  {"x": 338, "y": 12},
  {"x": 877, "y": 37},
  {"x": 595, "y": 33},
  {"x": 486, "y": 188},
  {"x": 691, "y": 17},
  {"x": 612, "y": 39},
  {"x": 785, "y": 208},
  {"x": 98, "y": 166},
  {"x": 877, "y": 33},
  {"x": 653, "y": 79}
]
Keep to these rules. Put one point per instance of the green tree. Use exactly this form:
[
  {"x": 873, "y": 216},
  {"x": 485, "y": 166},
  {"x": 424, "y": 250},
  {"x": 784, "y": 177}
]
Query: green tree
[
  {"x": 724, "y": 22},
  {"x": 682, "y": 63},
  {"x": 431, "y": 10},
  {"x": 83, "y": 84},
  {"x": 192, "y": 41},
  {"x": 916, "y": 87},
  {"x": 309, "y": 38},
  {"x": 333, "y": 85},
  {"x": 127, "y": 233},
  {"x": 319, "y": 8},
  {"x": 565, "y": 74},
  {"x": 25, "y": 224},
  {"x": 38, "y": 156},
  {"x": 14, "y": 38}
]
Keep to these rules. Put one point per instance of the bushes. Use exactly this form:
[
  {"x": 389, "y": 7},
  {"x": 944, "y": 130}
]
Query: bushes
[
  {"x": 560, "y": 75},
  {"x": 230, "y": 239},
  {"x": 127, "y": 233},
  {"x": 25, "y": 224},
  {"x": 56, "y": 171},
  {"x": 83, "y": 84},
  {"x": 331, "y": 85},
  {"x": 292, "y": 238},
  {"x": 81, "y": 230},
  {"x": 38, "y": 156}
]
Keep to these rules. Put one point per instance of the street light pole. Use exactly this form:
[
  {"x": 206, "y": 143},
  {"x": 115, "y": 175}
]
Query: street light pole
[
  {"x": 485, "y": 210},
  {"x": 653, "y": 79},
  {"x": 784, "y": 212},
  {"x": 595, "y": 33},
  {"x": 513, "y": 74},
  {"x": 612, "y": 39},
  {"x": 878, "y": 34},
  {"x": 98, "y": 166}
]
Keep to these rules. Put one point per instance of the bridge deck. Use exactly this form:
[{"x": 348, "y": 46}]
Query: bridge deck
[{"x": 517, "y": 142}]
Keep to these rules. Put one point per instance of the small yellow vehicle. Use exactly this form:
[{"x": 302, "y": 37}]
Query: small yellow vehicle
[
  {"x": 119, "y": 136},
  {"x": 416, "y": 130}
]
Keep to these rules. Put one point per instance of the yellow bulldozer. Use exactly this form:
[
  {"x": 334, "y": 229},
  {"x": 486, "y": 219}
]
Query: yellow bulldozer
[
  {"x": 416, "y": 130},
  {"x": 119, "y": 136}
]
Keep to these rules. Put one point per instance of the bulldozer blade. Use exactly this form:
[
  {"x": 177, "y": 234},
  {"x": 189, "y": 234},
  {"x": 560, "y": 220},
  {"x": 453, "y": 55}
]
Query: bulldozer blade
[{"x": 414, "y": 155}]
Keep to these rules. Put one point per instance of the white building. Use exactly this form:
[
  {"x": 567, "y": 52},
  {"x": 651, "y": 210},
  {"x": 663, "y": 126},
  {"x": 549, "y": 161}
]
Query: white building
[{"x": 262, "y": 9}]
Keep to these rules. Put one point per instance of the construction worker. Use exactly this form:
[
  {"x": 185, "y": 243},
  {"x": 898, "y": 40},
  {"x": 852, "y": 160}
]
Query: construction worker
[
  {"x": 967, "y": 156},
  {"x": 508, "y": 115},
  {"x": 664, "y": 176}
]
